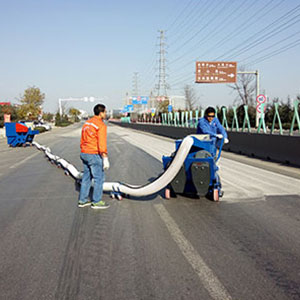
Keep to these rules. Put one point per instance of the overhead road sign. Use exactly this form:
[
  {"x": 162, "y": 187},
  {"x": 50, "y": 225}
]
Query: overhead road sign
[
  {"x": 138, "y": 100},
  {"x": 127, "y": 108},
  {"x": 216, "y": 71}
]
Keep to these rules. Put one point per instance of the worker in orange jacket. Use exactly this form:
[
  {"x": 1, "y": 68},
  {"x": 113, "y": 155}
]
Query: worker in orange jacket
[{"x": 93, "y": 154}]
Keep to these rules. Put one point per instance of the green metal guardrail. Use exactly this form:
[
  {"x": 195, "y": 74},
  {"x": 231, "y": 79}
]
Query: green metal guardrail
[{"x": 189, "y": 119}]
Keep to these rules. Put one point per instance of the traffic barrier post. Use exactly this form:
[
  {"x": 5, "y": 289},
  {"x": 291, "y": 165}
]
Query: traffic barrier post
[
  {"x": 246, "y": 119},
  {"x": 235, "y": 120},
  {"x": 262, "y": 122},
  {"x": 276, "y": 116},
  {"x": 295, "y": 117},
  {"x": 224, "y": 118}
]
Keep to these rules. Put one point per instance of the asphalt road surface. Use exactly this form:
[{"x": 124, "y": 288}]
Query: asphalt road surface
[{"x": 245, "y": 247}]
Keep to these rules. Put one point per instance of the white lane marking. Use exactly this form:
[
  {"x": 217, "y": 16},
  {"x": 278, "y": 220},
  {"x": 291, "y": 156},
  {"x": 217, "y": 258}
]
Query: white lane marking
[
  {"x": 263, "y": 173},
  {"x": 208, "y": 279},
  {"x": 24, "y": 160}
]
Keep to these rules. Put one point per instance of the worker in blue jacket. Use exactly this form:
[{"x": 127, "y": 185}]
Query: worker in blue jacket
[{"x": 212, "y": 126}]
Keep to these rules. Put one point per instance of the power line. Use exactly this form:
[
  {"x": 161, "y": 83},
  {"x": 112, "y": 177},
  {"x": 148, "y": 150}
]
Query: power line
[
  {"x": 276, "y": 52},
  {"x": 171, "y": 17},
  {"x": 202, "y": 28},
  {"x": 265, "y": 37},
  {"x": 209, "y": 35},
  {"x": 224, "y": 27},
  {"x": 293, "y": 10},
  {"x": 179, "y": 15},
  {"x": 271, "y": 46},
  {"x": 243, "y": 26},
  {"x": 260, "y": 59},
  {"x": 197, "y": 18}
]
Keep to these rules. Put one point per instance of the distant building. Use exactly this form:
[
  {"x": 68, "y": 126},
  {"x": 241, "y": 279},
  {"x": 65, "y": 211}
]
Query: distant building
[
  {"x": 115, "y": 113},
  {"x": 177, "y": 102}
]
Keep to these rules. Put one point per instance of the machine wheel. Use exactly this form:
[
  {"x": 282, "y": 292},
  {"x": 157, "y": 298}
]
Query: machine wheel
[
  {"x": 120, "y": 198},
  {"x": 216, "y": 195},
  {"x": 167, "y": 193}
]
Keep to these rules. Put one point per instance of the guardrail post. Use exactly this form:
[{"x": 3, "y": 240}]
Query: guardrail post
[
  {"x": 295, "y": 117},
  {"x": 262, "y": 119},
  {"x": 224, "y": 120},
  {"x": 182, "y": 119},
  {"x": 246, "y": 119},
  {"x": 170, "y": 121},
  {"x": 202, "y": 113},
  {"x": 276, "y": 116},
  {"x": 176, "y": 119},
  {"x": 197, "y": 118},
  {"x": 164, "y": 118},
  {"x": 191, "y": 119},
  {"x": 186, "y": 119},
  {"x": 235, "y": 119}
]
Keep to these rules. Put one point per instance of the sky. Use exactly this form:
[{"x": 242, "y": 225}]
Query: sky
[{"x": 93, "y": 48}]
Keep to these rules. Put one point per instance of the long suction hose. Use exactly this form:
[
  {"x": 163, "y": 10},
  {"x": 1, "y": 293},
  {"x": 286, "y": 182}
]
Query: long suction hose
[{"x": 143, "y": 190}]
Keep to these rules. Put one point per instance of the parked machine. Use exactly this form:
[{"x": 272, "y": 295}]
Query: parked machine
[
  {"x": 198, "y": 174},
  {"x": 19, "y": 134}
]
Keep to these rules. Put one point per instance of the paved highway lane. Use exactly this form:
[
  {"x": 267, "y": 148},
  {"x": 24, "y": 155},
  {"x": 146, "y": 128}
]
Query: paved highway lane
[{"x": 245, "y": 247}]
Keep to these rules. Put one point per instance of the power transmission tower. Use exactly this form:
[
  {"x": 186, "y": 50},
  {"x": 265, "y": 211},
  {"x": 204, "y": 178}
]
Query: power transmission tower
[
  {"x": 162, "y": 85},
  {"x": 135, "y": 88}
]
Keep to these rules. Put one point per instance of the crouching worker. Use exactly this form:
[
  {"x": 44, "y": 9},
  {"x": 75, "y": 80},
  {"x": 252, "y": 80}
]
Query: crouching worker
[
  {"x": 93, "y": 154},
  {"x": 212, "y": 126}
]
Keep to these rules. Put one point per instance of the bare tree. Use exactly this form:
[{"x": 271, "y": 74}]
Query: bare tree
[
  {"x": 191, "y": 98},
  {"x": 245, "y": 88}
]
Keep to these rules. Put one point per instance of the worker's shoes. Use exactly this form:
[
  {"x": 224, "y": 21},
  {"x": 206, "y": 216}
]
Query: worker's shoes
[
  {"x": 84, "y": 204},
  {"x": 100, "y": 205}
]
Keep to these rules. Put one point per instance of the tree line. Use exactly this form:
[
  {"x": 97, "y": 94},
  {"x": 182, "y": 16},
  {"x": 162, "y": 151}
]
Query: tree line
[{"x": 30, "y": 109}]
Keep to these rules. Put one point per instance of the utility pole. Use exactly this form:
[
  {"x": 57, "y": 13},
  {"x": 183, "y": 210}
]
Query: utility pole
[{"x": 162, "y": 85}]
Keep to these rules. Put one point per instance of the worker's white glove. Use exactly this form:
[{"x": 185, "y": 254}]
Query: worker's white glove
[
  {"x": 219, "y": 136},
  {"x": 226, "y": 141},
  {"x": 105, "y": 163}
]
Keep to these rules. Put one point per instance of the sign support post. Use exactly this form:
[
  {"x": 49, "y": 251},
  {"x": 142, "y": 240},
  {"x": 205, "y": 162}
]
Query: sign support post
[{"x": 257, "y": 90}]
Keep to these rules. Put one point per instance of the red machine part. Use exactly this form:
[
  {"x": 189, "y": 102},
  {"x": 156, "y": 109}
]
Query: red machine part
[{"x": 21, "y": 128}]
